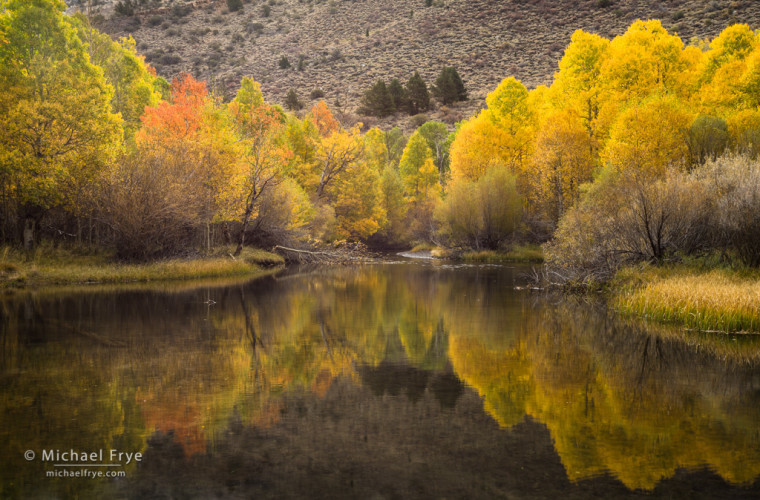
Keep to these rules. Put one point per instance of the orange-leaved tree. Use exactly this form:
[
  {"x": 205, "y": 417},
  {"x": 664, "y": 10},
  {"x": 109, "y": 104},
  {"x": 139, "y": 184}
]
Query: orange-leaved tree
[{"x": 187, "y": 147}]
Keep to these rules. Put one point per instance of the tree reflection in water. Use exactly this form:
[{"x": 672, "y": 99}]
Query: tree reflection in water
[{"x": 406, "y": 379}]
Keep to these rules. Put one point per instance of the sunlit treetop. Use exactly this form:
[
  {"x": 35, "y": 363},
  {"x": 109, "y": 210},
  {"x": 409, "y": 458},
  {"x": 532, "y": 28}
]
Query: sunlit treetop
[
  {"x": 508, "y": 104},
  {"x": 321, "y": 115},
  {"x": 734, "y": 42},
  {"x": 179, "y": 118},
  {"x": 644, "y": 59}
]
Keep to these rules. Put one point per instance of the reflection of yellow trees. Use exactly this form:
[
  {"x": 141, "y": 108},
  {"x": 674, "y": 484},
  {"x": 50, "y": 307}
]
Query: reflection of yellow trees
[
  {"x": 501, "y": 377},
  {"x": 108, "y": 370},
  {"x": 616, "y": 399}
]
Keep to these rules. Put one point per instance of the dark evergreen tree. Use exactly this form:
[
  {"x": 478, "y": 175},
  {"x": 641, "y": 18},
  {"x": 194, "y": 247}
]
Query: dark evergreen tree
[
  {"x": 418, "y": 98},
  {"x": 377, "y": 101},
  {"x": 398, "y": 94},
  {"x": 292, "y": 102},
  {"x": 449, "y": 87}
]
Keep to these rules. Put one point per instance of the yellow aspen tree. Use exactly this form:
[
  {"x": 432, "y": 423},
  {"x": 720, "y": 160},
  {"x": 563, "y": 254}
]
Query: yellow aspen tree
[
  {"x": 265, "y": 154},
  {"x": 417, "y": 169},
  {"x": 476, "y": 146},
  {"x": 337, "y": 153},
  {"x": 577, "y": 84},
  {"x": 57, "y": 130},
  {"x": 646, "y": 60},
  {"x": 562, "y": 162},
  {"x": 358, "y": 204},
  {"x": 649, "y": 137}
]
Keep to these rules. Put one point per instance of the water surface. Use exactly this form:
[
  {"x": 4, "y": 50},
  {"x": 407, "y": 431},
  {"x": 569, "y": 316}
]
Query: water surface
[{"x": 400, "y": 380}]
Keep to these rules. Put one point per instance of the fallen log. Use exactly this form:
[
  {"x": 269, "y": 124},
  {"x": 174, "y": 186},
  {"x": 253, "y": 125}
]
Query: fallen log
[
  {"x": 302, "y": 251},
  {"x": 340, "y": 256}
]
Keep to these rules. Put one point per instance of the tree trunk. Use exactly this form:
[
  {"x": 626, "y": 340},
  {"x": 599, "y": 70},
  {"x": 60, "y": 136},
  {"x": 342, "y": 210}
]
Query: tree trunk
[
  {"x": 208, "y": 238},
  {"x": 241, "y": 238},
  {"x": 29, "y": 233}
]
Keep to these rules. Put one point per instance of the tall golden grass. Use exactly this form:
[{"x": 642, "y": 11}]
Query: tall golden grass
[
  {"x": 62, "y": 267},
  {"x": 716, "y": 300}
]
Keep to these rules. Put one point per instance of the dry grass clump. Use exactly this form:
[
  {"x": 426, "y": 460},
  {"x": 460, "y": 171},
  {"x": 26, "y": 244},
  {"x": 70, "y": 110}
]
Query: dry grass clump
[
  {"x": 518, "y": 253},
  {"x": 717, "y": 300},
  {"x": 51, "y": 266}
]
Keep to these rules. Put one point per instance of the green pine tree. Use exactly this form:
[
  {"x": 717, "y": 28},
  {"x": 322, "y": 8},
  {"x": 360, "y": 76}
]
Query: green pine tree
[
  {"x": 398, "y": 94},
  {"x": 418, "y": 98},
  {"x": 377, "y": 101},
  {"x": 449, "y": 87}
]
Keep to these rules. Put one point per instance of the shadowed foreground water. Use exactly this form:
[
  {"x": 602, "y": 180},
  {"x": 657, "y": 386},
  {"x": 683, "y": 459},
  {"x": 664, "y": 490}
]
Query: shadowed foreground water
[{"x": 401, "y": 380}]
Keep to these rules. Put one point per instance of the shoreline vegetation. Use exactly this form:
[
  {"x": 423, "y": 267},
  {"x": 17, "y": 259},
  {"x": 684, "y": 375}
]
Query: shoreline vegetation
[
  {"x": 643, "y": 151},
  {"x": 46, "y": 266},
  {"x": 525, "y": 253},
  {"x": 696, "y": 297}
]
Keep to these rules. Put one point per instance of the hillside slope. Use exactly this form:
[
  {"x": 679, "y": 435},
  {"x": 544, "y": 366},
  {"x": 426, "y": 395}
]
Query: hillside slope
[{"x": 344, "y": 46}]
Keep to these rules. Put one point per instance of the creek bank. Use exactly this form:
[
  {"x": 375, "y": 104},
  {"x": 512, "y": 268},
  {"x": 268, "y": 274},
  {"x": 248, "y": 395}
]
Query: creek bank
[{"x": 47, "y": 266}]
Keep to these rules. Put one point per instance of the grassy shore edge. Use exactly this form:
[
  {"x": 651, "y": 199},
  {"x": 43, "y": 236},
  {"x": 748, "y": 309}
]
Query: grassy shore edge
[
  {"x": 52, "y": 268},
  {"x": 699, "y": 298}
]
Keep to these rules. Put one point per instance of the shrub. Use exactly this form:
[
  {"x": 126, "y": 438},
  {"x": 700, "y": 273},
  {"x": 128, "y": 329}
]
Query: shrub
[
  {"x": 283, "y": 62},
  {"x": 145, "y": 203},
  {"x": 734, "y": 184},
  {"x": 154, "y": 21},
  {"x": 481, "y": 214},
  {"x": 317, "y": 94},
  {"x": 626, "y": 218},
  {"x": 292, "y": 102},
  {"x": 603, "y": 4},
  {"x": 234, "y": 5},
  {"x": 418, "y": 120},
  {"x": 181, "y": 10},
  {"x": 256, "y": 28},
  {"x": 125, "y": 8},
  {"x": 266, "y": 10},
  {"x": 170, "y": 59}
]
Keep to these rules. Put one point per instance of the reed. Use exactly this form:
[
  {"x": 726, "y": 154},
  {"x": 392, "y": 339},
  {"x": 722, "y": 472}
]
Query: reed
[{"x": 721, "y": 300}]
